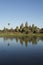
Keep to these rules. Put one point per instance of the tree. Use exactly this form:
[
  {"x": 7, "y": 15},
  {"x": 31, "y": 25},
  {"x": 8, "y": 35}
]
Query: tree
[
  {"x": 21, "y": 27},
  {"x": 30, "y": 28},
  {"x": 26, "y": 30},
  {"x": 33, "y": 28},
  {"x": 41, "y": 30},
  {"x": 17, "y": 29},
  {"x": 4, "y": 28},
  {"x": 26, "y": 24}
]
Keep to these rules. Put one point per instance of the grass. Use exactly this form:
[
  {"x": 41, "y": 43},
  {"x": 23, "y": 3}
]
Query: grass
[{"x": 19, "y": 34}]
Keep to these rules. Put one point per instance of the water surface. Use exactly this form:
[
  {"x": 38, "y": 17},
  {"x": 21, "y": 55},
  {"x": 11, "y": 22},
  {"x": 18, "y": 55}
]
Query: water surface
[{"x": 21, "y": 51}]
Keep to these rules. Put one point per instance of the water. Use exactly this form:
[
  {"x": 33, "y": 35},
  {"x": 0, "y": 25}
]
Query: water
[{"x": 21, "y": 51}]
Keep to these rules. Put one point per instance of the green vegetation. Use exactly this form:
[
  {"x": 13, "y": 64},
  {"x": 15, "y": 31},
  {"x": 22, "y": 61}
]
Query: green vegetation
[{"x": 22, "y": 31}]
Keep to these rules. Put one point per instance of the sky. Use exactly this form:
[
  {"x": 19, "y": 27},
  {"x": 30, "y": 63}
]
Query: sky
[{"x": 16, "y": 12}]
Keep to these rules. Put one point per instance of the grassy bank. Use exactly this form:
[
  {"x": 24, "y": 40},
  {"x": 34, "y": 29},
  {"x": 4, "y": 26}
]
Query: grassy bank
[{"x": 19, "y": 34}]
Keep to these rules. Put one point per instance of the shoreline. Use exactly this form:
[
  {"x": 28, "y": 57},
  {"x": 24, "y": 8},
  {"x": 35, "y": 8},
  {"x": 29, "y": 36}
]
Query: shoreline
[{"x": 20, "y": 34}]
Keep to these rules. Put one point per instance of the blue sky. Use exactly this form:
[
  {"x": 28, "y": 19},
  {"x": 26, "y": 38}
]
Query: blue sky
[{"x": 16, "y": 12}]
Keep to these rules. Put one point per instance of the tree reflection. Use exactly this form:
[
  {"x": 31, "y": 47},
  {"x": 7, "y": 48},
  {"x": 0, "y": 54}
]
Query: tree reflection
[
  {"x": 34, "y": 40},
  {"x": 16, "y": 39},
  {"x": 25, "y": 40}
]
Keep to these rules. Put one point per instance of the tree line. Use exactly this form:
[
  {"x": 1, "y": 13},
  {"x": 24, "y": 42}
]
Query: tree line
[{"x": 24, "y": 29}]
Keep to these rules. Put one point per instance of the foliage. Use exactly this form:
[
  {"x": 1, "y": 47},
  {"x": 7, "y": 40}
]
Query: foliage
[{"x": 23, "y": 29}]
